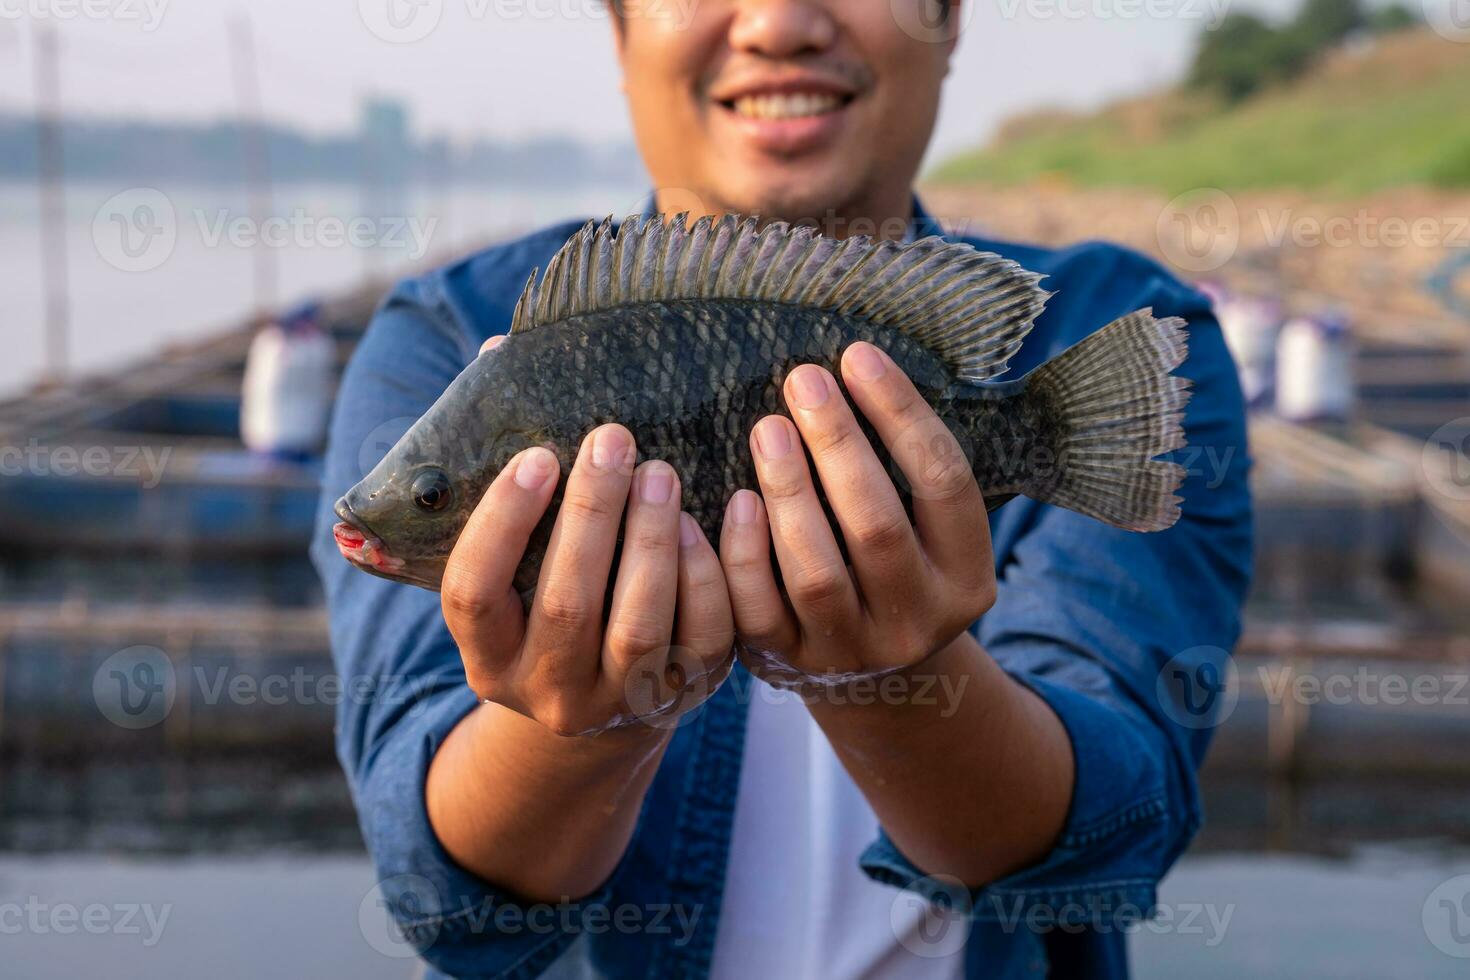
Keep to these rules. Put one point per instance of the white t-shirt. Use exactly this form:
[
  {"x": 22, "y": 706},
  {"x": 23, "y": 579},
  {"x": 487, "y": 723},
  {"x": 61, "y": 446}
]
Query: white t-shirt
[{"x": 796, "y": 904}]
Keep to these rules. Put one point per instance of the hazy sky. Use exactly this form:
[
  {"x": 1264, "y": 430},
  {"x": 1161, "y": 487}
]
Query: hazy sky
[{"x": 515, "y": 67}]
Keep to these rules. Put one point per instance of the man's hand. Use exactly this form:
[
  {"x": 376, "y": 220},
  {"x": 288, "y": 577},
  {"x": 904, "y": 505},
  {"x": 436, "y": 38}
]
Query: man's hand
[
  {"x": 974, "y": 782},
  {"x": 519, "y": 793},
  {"x": 559, "y": 664},
  {"x": 911, "y": 590}
]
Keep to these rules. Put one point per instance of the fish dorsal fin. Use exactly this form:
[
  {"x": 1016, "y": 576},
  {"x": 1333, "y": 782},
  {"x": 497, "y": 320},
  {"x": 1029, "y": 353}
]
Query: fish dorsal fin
[{"x": 972, "y": 308}]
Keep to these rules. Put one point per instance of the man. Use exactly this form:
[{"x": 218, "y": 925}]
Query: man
[{"x": 1005, "y": 808}]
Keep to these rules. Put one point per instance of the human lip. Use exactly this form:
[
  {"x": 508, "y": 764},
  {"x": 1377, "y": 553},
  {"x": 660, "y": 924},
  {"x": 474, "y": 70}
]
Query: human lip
[
  {"x": 784, "y": 97},
  {"x": 789, "y": 116}
]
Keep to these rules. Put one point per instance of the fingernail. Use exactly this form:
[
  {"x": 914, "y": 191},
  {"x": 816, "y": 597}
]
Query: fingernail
[
  {"x": 867, "y": 362},
  {"x": 534, "y": 469},
  {"x": 772, "y": 437},
  {"x": 610, "y": 447},
  {"x": 689, "y": 532},
  {"x": 656, "y": 484},
  {"x": 809, "y": 387},
  {"x": 742, "y": 508},
  {"x": 492, "y": 343}
]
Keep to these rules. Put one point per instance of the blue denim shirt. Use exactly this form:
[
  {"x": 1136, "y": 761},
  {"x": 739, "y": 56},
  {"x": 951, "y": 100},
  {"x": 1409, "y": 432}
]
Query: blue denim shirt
[{"x": 1099, "y": 622}]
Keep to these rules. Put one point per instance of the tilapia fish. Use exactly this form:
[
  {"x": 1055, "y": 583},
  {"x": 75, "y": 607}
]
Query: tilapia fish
[{"x": 685, "y": 333}]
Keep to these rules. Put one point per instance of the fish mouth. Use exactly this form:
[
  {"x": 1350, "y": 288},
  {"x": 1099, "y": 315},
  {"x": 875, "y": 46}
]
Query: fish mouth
[{"x": 359, "y": 545}]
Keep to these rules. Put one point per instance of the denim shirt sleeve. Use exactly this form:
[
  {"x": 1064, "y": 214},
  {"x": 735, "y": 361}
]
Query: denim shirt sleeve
[
  {"x": 402, "y": 677},
  {"x": 1101, "y": 623}
]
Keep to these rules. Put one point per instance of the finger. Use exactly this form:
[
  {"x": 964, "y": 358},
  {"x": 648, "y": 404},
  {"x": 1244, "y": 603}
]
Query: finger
[
  {"x": 949, "y": 511},
  {"x": 641, "y": 621},
  {"x": 704, "y": 625},
  {"x": 492, "y": 343},
  {"x": 816, "y": 577},
  {"x": 761, "y": 617},
  {"x": 480, "y": 604},
  {"x": 566, "y": 618},
  {"x": 880, "y": 541}
]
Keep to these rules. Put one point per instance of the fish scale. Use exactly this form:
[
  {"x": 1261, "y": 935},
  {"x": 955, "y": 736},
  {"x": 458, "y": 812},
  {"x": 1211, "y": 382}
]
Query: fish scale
[{"x": 690, "y": 373}]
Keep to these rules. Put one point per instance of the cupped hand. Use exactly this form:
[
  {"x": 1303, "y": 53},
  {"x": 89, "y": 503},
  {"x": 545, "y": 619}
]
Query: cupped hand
[
  {"x": 666, "y": 642},
  {"x": 911, "y": 589}
]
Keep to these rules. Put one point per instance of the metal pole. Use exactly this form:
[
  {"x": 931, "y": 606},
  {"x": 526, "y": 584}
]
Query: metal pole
[
  {"x": 256, "y": 154},
  {"x": 50, "y": 176}
]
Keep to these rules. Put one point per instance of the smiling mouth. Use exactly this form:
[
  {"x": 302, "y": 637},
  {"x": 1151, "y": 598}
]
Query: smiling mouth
[
  {"x": 786, "y": 105},
  {"x": 360, "y": 546}
]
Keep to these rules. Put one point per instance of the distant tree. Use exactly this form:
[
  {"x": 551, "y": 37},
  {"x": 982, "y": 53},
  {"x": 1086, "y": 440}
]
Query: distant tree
[
  {"x": 1244, "y": 53},
  {"x": 1394, "y": 17},
  {"x": 1321, "y": 24},
  {"x": 1228, "y": 58}
]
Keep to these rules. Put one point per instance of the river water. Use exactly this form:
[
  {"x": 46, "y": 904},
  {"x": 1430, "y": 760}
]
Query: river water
[
  {"x": 150, "y": 265},
  {"x": 253, "y": 866}
]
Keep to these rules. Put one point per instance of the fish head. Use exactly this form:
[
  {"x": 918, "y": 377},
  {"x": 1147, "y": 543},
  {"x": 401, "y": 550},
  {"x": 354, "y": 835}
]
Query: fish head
[{"x": 402, "y": 521}]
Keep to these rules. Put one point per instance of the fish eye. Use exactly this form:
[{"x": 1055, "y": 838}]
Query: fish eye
[{"x": 431, "y": 491}]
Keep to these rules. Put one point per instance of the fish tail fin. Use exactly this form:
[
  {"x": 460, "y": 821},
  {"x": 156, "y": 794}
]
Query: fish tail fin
[{"x": 1116, "y": 407}]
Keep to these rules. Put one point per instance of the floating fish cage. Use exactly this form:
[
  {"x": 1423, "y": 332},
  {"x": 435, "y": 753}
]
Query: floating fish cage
[
  {"x": 1333, "y": 519},
  {"x": 150, "y": 460},
  {"x": 134, "y": 522},
  {"x": 1415, "y": 390}
]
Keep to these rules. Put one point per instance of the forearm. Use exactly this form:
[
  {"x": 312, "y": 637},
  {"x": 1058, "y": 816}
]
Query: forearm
[
  {"x": 973, "y": 780},
  {"x": 540, "y": 815}
]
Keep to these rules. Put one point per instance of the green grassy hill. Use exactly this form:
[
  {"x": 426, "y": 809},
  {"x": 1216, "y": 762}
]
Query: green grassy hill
[{"x": 1395, "y": 113}]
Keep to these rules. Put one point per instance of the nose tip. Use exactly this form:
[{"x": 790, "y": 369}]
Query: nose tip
[{"x": 782, "y": 28}]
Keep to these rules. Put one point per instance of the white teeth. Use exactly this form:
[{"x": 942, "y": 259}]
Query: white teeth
[{"x": 786, "y": 106}]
